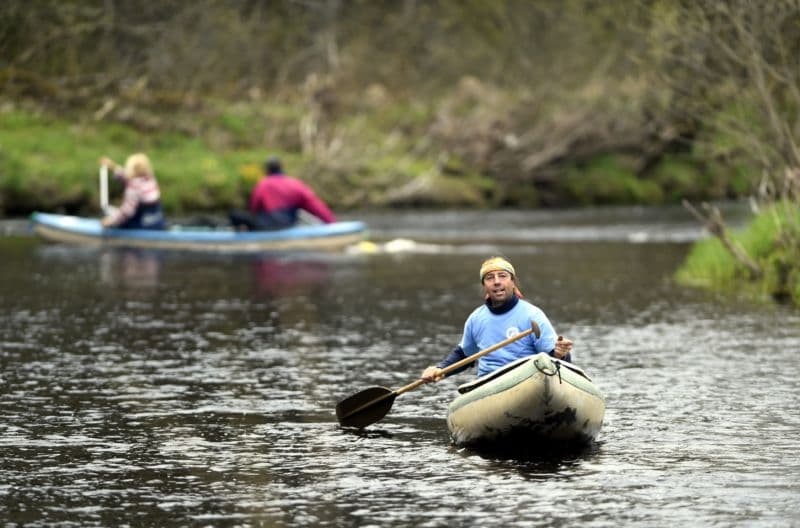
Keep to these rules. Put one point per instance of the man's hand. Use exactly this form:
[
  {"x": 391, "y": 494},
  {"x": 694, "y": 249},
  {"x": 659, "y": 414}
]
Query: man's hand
[
  {"x": 563, "y": 347},
  {"x": 432, "y": 374}
]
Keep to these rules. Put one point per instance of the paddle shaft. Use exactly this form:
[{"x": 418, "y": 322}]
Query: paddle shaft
[
  {"x": 466, "y": 361},
  {"x": 352, "y": 406},
  {"x": 104, "y": 188}
]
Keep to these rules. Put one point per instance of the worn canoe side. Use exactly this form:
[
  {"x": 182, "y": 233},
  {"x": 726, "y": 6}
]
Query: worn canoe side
[{"x": 540, "y": 400}]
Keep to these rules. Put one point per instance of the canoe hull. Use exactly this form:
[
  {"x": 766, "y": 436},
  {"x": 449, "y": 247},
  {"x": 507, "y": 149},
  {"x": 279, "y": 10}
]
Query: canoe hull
[
  {"x": 542, "y": 400},
  {"x": 89, "y": 232}
]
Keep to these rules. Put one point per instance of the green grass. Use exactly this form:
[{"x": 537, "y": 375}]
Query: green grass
[
  {"x": 680, "y": 178},
  {"x": 772, "y": 239},
  {"x": 608, "y": 180},
  {"x": 357, "y": 160},
  {"x": 52, "y": 164}
]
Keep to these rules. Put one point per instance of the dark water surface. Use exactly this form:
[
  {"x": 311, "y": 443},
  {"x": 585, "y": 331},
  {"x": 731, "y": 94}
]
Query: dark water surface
[{"x": 170, "y": 389}]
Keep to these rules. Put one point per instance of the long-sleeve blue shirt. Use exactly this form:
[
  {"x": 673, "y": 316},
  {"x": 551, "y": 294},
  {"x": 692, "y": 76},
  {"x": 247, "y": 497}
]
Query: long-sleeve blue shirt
[{"x": 487, "y": 326}]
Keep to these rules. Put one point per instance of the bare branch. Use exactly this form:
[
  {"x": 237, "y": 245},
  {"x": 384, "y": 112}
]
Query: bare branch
[{"x": 714, "y": 223}]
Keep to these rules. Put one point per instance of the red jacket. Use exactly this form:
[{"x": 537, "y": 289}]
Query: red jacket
[{"x": 278, "y": 193}]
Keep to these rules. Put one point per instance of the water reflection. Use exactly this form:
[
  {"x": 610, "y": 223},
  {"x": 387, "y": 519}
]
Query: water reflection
[
  {"x": 535, "y": 456},
  {"x": 290, "y": 277},
  {"x": 364, "y": 434},
  {"x": 133, "y": 269}
]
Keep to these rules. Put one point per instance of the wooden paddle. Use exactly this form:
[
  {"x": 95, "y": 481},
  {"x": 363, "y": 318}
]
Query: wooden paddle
[
  {"x": 370, "y": 405},
  {"x": 104, "y": 189}
]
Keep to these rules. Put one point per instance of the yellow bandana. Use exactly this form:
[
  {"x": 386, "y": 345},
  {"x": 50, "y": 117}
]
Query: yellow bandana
[
  {"x": 500, "y": 264},
  {"x": 496, "y": 264}
]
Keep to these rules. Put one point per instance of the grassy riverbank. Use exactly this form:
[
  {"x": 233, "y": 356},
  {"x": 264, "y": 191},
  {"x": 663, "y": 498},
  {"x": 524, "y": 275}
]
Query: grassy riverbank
[
  {"x": 772, "y": 240},
  {"x": 393, "y": 156},
  {"x": 50, "y": 163}
]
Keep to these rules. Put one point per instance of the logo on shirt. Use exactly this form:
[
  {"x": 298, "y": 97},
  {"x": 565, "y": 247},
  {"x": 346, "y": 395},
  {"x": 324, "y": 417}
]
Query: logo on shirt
[{"x": 511, "y": 331}]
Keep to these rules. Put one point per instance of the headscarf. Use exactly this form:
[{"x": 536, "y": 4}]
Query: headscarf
[{"x": 500, "y": 264}]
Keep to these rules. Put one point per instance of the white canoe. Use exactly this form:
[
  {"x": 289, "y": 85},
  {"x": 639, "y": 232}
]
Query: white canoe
[
  {"x": 89, "y": 231},
  {"x": 533, "y": 400}
]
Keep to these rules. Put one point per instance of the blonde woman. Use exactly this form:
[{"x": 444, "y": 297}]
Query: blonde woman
[{"x": 141, "y": 203}]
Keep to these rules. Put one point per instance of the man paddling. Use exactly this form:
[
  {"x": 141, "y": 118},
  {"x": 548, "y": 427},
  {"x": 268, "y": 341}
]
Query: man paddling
[{"x": 503, "y": 315}]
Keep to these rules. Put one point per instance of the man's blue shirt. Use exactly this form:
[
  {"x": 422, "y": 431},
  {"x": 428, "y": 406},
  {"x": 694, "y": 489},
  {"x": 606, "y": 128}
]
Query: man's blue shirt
[{"x": 486, "y": 327}]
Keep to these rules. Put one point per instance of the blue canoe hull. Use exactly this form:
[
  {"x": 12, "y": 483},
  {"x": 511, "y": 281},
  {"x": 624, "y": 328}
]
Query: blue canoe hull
[{"x": 89, "y": 231}]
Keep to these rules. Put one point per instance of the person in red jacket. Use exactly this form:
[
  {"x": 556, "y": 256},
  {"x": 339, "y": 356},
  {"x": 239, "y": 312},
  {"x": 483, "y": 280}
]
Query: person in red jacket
[{"x": 276, "y": 200}]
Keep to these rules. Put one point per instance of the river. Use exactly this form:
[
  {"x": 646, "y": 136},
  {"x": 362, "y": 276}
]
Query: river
[{"x": 169, "y": 389}]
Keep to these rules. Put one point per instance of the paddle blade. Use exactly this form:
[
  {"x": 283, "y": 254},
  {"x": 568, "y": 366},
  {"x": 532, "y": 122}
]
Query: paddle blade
[{"x": 365, "y": 408}]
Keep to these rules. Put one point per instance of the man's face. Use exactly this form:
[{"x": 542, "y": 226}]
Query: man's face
[{"x": 499, "y": 286}]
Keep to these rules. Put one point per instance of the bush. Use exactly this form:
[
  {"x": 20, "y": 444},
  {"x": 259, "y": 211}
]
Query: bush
[
  {"x": 606, "y": 180},
  {"x": 771, "y": 239}
]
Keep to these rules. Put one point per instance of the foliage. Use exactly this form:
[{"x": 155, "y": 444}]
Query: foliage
[
  {"x": 771, "y": 239},
  {"x": 528, "y": 94},
  {"x": 554, "y": 102},
  {"x": 607, "y": 180},
  {"x": 52, "y": 164},
  {"x": 733, "y": 66}
]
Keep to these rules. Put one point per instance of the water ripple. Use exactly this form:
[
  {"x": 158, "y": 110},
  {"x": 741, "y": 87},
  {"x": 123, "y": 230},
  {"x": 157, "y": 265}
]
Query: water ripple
[{"x": 205, "y": 396}]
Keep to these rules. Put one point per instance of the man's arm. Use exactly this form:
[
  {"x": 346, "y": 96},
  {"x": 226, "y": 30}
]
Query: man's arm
[{"x": 455, "y": 355}]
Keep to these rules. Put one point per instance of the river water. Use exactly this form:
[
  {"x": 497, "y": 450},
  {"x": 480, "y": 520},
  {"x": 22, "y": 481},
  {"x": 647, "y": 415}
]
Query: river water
[{"x": 169, "y": 389}]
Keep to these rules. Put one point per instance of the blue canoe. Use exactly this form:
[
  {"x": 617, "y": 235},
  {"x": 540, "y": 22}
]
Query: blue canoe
[{"x": 89, "y": 231}]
